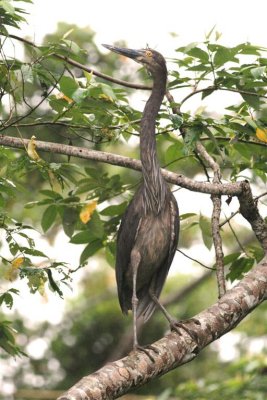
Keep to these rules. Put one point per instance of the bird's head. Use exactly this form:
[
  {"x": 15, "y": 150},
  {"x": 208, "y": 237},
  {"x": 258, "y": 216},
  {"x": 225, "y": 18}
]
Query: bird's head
[{"x": 151, "y": 59}]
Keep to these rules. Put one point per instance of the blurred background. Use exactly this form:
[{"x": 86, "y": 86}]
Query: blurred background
[{"x": 73, "y": 336}]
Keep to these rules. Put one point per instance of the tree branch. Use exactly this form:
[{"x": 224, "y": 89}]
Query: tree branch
[
  {"x": 217, "y": 241},
  {"x": 117, "y": 378},
  {"x": 249, "y": 210},
  {"x": 202, "y": 154},
  {"x": 229, "y": 189},
  {"x": 215, "y": 219},
  {"x": 214, "y": 88},
  {"x": 126, "y": 341},
  {"x": 84, "y": 68}
]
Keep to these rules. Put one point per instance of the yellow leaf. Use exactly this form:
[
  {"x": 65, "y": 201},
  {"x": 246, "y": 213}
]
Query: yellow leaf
[
  {"x": 32, "y": 153},
  {"x": 62, "y": 96},
  {"x": 106, "y": 97},
  {"x": 262, "y": 134},
  {"x": 87, "y": 211},
  {"x": 11, "y": 273},
  {"x": 17, "y": 262}
]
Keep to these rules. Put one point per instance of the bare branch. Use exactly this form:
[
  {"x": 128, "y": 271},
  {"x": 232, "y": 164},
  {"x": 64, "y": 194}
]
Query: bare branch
[
  {"x": 217, "y": 241},
  {"x": 87, "y": 69},
  {"x": 213, "y": 88},
  {"x": 118, "y": 377},
  {"x": 229, "y": 189},
  {"x": 215, "y": 219}
]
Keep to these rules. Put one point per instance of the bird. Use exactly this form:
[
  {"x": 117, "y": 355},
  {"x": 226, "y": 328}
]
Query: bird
[{"x": 149, "y": 230}]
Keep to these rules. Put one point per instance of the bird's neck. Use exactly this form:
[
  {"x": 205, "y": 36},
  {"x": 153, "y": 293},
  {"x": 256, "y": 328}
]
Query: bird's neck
[{"x": 154, "y": 183}]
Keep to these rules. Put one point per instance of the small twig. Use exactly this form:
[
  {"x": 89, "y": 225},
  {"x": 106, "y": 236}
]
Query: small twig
[
  {"x": 233, "y": 214},
  {"x": 195, "y": 260},
  {"x": 236, "y": 237},
  {"x": 12, "y": 123},
  {"x": 213, "y": 88},
  {"x": 225, "y": 139}
]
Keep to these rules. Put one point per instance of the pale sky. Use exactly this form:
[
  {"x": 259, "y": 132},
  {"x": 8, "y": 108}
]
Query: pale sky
[{"x": 141, "y": 22}]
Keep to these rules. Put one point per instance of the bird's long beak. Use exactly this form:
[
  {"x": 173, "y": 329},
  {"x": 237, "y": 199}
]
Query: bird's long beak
[{"x": 134, "y": 54}]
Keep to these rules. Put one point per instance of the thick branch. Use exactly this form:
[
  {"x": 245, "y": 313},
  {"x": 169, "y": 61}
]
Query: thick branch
[
  {"x": 249, "y": 210},
  {"x": 126, "y": 340},
  {"x": 232, "y": 189},
  {"x": 117, "y": 378}
]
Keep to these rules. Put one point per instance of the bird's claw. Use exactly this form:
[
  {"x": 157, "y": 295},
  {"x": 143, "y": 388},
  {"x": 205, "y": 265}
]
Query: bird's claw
[
  {"x": 178, "y": 325},
  {"x": 146, "y": 351}
]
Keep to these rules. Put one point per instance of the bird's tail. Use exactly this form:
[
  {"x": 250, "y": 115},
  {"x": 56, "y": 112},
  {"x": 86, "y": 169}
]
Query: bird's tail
[{"x": 146, "y": 307}]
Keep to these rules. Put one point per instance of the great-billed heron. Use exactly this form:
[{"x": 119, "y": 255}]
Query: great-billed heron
[{"x": 149, "y": 230}]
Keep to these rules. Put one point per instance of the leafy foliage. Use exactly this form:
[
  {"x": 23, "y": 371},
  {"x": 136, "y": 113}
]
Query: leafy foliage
[{"x": 51, "y": 96}]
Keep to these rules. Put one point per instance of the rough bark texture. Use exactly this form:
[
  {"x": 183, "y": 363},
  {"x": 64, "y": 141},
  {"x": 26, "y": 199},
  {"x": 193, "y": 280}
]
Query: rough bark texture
[
  {"x": 231, "y": 189},
  {"x": 117, "y": 378},
  {"x": 249, "y": 210}
]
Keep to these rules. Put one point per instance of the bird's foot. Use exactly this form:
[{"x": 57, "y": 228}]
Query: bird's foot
[
  {"x": 145, "y": 349},
  {"x": 178, "y": 325}
]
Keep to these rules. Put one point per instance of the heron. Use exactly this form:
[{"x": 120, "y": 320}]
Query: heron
[{"x": 149, "y": 230}]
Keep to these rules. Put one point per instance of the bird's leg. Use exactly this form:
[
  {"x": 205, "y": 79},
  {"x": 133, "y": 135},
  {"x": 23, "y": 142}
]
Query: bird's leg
[
  {"x": 174, "y": 324},
  {"x": 135, "y": 261}
]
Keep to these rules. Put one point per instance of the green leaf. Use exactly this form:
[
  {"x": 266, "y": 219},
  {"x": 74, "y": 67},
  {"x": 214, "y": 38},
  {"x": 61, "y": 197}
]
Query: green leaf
[
  {"x": 68, "y": 86},
  {"x": 205, "y": 226},
  {"x": 107, "y": 90},
  {"x": 223, "y": 55},
  {"x": 110, "y": 253},
  {"x": 48, "y": 217},
  {"x": 90, "y": 250},
  {"x": 7, "y": 299},
  {"x": 51, "y": 193},
  {"x": 230, "y": 258},
  {"x": 207, "y": 92},
  {"x": 52, "y": 283},
  {"x": 33, "y": 252},
  {"x": 187, "y": 215},
  {"x": 114, "y": 210},
  {"x": 258, "y": 72},
  {"x": 7, "y": 6},
  {"x": 96, "y": 226},
  {"x": 244, "y": 150},
  {"x": 177, "y": 121},
  {"x": 191, "y": 136},
  {"x": 83, "y": 237},
  {"x": 69, "y": 220},
  {"x": 173, "y": 152},
  {"x": 252, "y": 100},
  {"x": 199, "y": 53},
  {"x": 239, "y": 267}
]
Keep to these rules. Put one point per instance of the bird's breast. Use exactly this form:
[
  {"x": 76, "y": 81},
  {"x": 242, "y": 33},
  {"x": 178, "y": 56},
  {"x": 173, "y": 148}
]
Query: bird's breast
[{"x": 152, "y": 243}]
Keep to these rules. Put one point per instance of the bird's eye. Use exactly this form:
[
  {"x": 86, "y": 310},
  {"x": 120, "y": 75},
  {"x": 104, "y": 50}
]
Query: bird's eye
[{"x": 148, "y": 53}]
